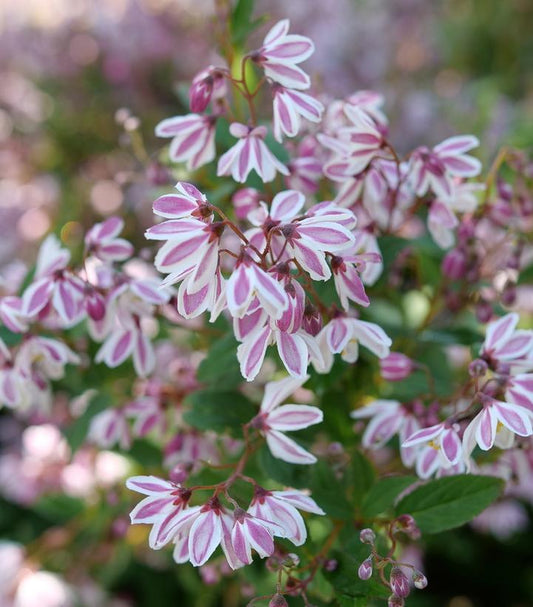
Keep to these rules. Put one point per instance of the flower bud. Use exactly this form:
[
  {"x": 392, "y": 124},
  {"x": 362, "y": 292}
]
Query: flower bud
[
  {"x": 419, "y": 579},
  {"x": 367, "y": 536},
  {"x": 508, "y": 296},
  {"x": 454, "y": 264},
  {"x": 399, "y": 583},
  {"x": 95, "y": 305},
  {"x": 312, "y": 320},
  {"x": 365, "y": 569},
  {"x": 407, "y": 524},
  {"x": 395, "y": 601},
  {"x": 330, "y": 565},
  {"x": 477, "y": 368},
  {"x": 205, "y": 85},
  {"x": 396, "y": 366},
  {"x": 483, "y": 312},
  {"x": 278, "y": 601}
]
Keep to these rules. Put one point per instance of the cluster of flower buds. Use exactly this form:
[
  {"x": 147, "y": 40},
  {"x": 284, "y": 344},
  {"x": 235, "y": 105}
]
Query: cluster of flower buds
[{"x": 398, "y": 582}]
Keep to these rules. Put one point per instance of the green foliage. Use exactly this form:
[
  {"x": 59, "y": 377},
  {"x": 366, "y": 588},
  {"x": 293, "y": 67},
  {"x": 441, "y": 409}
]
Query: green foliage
[
  {"x": 449, "y": 502},
  {"x": 382, "y": 495},
  {"x": 241, "y": 22},
  {"x": 220, "y": 368},
  {"x": 218, "y": 410}
]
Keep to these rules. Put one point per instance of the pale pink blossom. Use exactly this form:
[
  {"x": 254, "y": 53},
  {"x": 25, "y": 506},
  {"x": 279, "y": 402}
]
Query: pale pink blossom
[
  {"x": 102, "y": 242},
  {"x": 281, "y": 507},
  {"x": 193, "y": 139},
  {"x": 54, "y": 284},
  {"x": 497, "y": 423},
  {"x": 444, "y": 447},
  {"x": 289, "y": 107},
  {"x": 110, "y": 428},
  {"x": 273, "y": 420},
  {"x": 344, "y": 334},
  {"x": 280, "y": 55},
  {"x": 435, "y": 169},
  {"x": 250, "y": 153},
  {"x": 506, "y": 346},
  {"x": 252, "y": 533}
]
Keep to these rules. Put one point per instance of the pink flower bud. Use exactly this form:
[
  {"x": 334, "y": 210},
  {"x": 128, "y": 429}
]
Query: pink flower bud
[
  {"x": 508, "y": 296},
  {"x": 367, "y": 536},
  {"x": 205, "y": 85},
  {"x": 278, "y": 601},
  {"x": 483, "y": 312},
  {"x": 395, "y": 601},
  {"x": 330, "y": 565},
  {"x": 396, "y": 366},
  {"x": 454, "y": 264},
  {"x": 477, "y": 368},
  {"x": 407, "y": 524},
  {"x": 419, "y": 579},
  {"x": 312, "y": 320},
  {"x": 95, "y": 306},
  {"x": 365, "y": 569},
  {"x": 399, "y": 583}
]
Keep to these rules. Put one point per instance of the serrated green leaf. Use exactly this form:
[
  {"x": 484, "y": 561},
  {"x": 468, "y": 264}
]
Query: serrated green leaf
[
  {"x": 450, "y": 502},
  {"x": 218, "y": 410},
  {"x": 382, "y": 495}
]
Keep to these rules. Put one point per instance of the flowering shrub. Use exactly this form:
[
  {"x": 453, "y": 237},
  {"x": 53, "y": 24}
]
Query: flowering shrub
[{"x": 296, "y": 233}]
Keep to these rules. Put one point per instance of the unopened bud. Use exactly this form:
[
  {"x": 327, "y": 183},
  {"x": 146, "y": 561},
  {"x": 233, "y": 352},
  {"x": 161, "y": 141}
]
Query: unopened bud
[
  {"x": 508, "y": 296},
  {"x": 419, "y": 579},
  {"x": 483, "y": 312},
  {"x": 399, "y": 583},
  {"x": 95, "y": 304},
  {"x": 291, "y": 560},
  {"x": 454, "y": 264},
  {"x": 396, "y": 366},
  {"x": 365, "y": 569},
  {"x": 395, "y": 601},
  {"x": 407, "y": 524},
  {"x": 367, "y": 536},
  {"x": 312, "y": 320},
  {"x": 278, "y": 601},
  {"x": 477, "y": 368},
  {"x": 330, "y": 565}
]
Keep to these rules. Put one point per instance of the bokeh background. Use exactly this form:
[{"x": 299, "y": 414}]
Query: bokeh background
[{"x": 82, "y": 84}]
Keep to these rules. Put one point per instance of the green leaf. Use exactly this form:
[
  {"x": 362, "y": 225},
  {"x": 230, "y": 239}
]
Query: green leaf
[
  {"x": 218, "y": 410},
  {"x": 220, "y": 368},
  {"x": 382, "y": 495},
  {"x": 291, "y": 475},
  {"x": 241, "y": 21},
  {"x": 449, "y": 502},
  {"x": 363, "y": 476},
  {"x": 57, "y": 507},
  {"x": 330, "y": 493}
]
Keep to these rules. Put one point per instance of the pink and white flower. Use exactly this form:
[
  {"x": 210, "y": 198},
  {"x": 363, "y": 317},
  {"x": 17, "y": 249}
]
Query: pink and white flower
[
  {"x": 281, "y": 507},
  {"x": 396, "y": 366},
  {"x": 497, "y": 424},
  {"x": 250, "y": 153},
  {"x": 280, "y": 55},
  {"x": 506, "y": 346},
  {"x": 208, "y": 84},
  {"x": 55, "y": 285},
  {"x": 193, "y": 139},
  {"x": 102, "y": 242},
  {"x": 274, "y": 419},
  {"x": 252, "y": 533},
  {"x": 344, "y": 334},
  {"x": 435, "y": 169},
  {"x": 289, "y": 107}
]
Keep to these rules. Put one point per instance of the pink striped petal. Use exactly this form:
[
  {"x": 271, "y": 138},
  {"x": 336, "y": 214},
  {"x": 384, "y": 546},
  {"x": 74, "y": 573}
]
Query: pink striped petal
[
  {"x": 286, "y": 205},
  {"x": 486, "y": 428},
  {"x": 514, "y": 417},
  {"x": 251, "y": 353},
  {"x": 278, "y": 391},
  {"x": 205, "y": 535},
  {"x": 287, "y": 450},
  {"x": 294, "y": 417},
  {"x": 293, "y": 352},
  {"x": 149, "y": 485}
]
